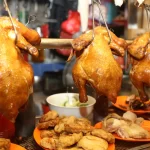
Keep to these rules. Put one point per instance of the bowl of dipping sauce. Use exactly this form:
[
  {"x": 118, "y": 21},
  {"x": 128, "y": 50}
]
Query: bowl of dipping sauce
[{"x": 68, "y": 104}]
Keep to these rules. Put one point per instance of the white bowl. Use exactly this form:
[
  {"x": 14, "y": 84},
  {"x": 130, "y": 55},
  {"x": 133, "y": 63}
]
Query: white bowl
[{"x": 56, "y": 100}]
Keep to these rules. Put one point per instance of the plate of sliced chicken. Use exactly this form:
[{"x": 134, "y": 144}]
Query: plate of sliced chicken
[
  {"x": 127, "y": 127},
  {"x": 133, "y": 104},
  {"x": 71, "y": 133}
]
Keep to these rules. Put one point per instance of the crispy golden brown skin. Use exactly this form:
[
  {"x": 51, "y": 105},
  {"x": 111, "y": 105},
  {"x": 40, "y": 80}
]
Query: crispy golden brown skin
[
  {"x": 104, "y": 135},
  {"x": 95, "y": 64},
  {"x": 139, "y": 52},
  {"x": 49, "y": 143},
  {"x": 71, "y": 148},
  {"x": 69, "y": 140},
  {"x": 48, "y": 133},
  {"x": 49, "y": 116},
  {"x": 60, "y": 127},
  {"x": 16, "y": 75},
  {"x": 78, "y": 127},
  {"x": 73, "y": 125},
  {"x": 4, "y": 144},
  {"x": 90, "y": 142},
  {"x": 46, "y": 125}
]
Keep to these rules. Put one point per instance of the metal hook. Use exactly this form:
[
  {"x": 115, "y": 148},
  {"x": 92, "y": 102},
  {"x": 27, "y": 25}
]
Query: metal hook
[
  {"x": 7, "y": 9},
  {"x": 147, "y": 8},
  {"x": 98, "y": 4},
  {"x": 93, "y": 19},
  {"x": 31, "y": 18}
]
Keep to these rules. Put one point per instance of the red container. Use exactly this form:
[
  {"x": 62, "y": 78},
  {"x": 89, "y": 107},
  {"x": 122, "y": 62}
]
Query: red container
[{"x": 7, "y": 128}]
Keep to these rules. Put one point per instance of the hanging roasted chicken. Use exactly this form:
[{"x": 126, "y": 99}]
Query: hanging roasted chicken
[
  {"x": 16, "y": 75},
  {"x": 95, "y": 64},
  {"x": 139, "y": 54}
]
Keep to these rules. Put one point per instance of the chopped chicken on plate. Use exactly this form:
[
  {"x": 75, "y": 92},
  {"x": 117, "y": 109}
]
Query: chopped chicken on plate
[
  {"x": 73, "y": 133},
  {"x": 124, "y": 127}
]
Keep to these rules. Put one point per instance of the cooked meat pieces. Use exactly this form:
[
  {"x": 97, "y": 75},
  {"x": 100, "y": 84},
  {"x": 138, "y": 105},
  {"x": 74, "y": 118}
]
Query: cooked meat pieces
[
  {"x": 73, "y": 125},
  {"x": 104, "y": 135},
  {"x": 78, "y": 127},
  {"x": 124, "y": 128},
  {"x": 49, "y": 116},
  {"x": 4, "y": 144},
  {"x": 86, "y": 121},
  {"x": 95, "y": 61},
  {"x": 47, "y": 133},
  {"x": 49, "y": 143},
  {"x": 60, "y": 127},
  {"x": 69, "y": 140},
  {"x": 112, "y": 122},
  {"x": 72, "y": 133},
  {"x": 46, "y": 125},
  {"x": 92, "y": 143},
  {"x": 70, "y": 148},
  {"x": 139, "y": 54},
  {"x": 133, "y": 131},
  {"x": 16, "y": 75}
]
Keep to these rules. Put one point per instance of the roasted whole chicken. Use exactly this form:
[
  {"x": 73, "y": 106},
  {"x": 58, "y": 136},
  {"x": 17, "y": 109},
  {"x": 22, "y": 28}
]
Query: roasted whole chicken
[
  {"x": 139, "y": 57},
  {"x": 95, "y": 64},
  {"x": 16, "y": 75}
]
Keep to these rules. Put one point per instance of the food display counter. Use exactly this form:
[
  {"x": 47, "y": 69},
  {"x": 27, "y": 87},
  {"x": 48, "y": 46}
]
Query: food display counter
[
  {"x": 95, "y": 117},
  {"x": 127, "y": 89}
]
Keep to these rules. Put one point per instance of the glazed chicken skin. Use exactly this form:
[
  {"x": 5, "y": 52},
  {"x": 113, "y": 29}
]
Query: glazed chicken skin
[
  {"x": 16, "y": 75},
  {"x": 139, "y": 57},
  {"x": 95, "y": 64}
]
